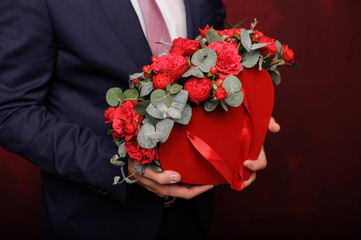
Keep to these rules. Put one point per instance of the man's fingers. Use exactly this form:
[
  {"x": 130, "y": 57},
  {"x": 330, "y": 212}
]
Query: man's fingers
[
  {"x": 259, "y": 164},
  {"x": 166, "y": 177},
  {"x": 251, "y": 179},
  {"x": 273, "y": 126},
  {"x": 180, "y": 191}
]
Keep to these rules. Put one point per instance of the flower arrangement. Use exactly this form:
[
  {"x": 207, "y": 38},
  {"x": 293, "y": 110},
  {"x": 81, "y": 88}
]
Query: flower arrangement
[{"x": 193, "y": 73}]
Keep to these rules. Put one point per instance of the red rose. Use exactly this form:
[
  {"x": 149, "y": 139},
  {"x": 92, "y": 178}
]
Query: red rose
[
  {"x": 184, "y": 46},
  {"x": 126, "y": 120},
  {"x": 142, "y": 155},
  {"x": 161, "y": 81},
  {"x": 116, "y": 135},
  {"x": 109, "y": 114},
  {"x": 204, "y": 31},
  {"x": 288, "y": 55},
  {"x": 173, "y": 64},
  {"x": 270, "y": 49},
  {"x": 228, "y": 59},
  {"x": 221, "y": 93},
  {"x": 199, "y": 89}
]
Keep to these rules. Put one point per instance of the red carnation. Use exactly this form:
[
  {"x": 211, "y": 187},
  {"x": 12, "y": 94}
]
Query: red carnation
[
  {"x": 142, "y": 155},
  {"x": 270, "y": 49},
  {"x": 184, "y": 46},
  {"x": 199, "y": 89},
  {"x": 288, "y": 55},
  {"x": 221, "y": 93},
  {"x": 161, "y": 81},
  {"x": 172, "y": 64},
  {"x": 228, "y": 59},
  {"x": 109, "y": 114},
  {"x": 204, "y": 31},
  {"x": 126, "y": 120}
]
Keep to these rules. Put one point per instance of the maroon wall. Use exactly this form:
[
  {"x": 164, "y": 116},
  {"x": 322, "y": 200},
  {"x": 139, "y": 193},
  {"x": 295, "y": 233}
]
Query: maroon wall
[{"x": 312, "y": 184}]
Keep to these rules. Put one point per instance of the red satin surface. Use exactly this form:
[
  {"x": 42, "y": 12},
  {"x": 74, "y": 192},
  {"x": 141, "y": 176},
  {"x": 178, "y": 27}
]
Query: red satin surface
[{"x": 219, "y": 141}]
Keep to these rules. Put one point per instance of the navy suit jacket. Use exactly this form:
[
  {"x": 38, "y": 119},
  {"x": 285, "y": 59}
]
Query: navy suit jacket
[{"x": 57, "y": 60}]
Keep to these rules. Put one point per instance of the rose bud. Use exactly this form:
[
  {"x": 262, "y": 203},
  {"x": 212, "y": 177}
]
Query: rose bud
[
  {"x": 109, "y": 114},
  {"x": 270, "y": 49},
  {"x": 288, "y": 55},
  {"x": 204, "y": 31},
  {"x": 199, "y": 89},
  {"x": 221, "y": 93},
  {"x": 219, "y": 82},
  {"x": 161, "y": 80}
]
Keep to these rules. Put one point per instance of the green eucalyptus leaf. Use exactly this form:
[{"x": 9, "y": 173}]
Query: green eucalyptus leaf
[
  {"x": 146, "y": 136},
  {"x": 175, "y": 88},
  {"x": 204, "y": 59},
  {"x": 232, "y": 84},
  {"x": 121, "y": 150},
  {"x": 213, "y": 36},
  {"x": 194, "y": 71},
  {"x": 114, "y": 161},
  {"x": 251, "y": 59},
  {"x": 146, "y": 88},
  {"x": 160, "y": 95},
  {"x": 162, "y": 107},
  {"x": 275, "y": 76},
  {"x": 295, "y": 65},
  {"x": 141, "y": 107},
  {"x": 131, "y": 94},
  {"x": 164, "y": 128},
  {"x": 167, "y": 88},
  {"x": 238, "y": 25},
  {"x": 155, "y": 112},
  {"x": 114, "y": 96},
  {"x": 258, "y": 46},
  {"x": 224, "y": 106},
  {"x": 179, "y": 100},
  {"x": 174, "y": 113},
  {"x": 209, "y": 106},
  {"x": 228, "y": 23},
  {"x": 234, "y": 99},
  {"x": 116, "y": 180},
  {"x": 155, "y": 167},
  {"x": 140, "y": 169},
  {"x": 246, "y": 40},
  {"x": 186, "y": 115},
  {"x": 278, "y": 45}
]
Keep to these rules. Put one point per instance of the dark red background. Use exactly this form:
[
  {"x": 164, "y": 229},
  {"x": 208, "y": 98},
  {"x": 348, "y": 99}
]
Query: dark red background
[{"x": 312, "y": 184}]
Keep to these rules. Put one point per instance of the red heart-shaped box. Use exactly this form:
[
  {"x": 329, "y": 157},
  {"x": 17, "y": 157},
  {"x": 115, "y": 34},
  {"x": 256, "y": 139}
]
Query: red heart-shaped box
[{"x": 211, "y": 149}]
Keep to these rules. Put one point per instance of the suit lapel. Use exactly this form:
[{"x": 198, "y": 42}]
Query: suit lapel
[{"x": 125, "y": 23}]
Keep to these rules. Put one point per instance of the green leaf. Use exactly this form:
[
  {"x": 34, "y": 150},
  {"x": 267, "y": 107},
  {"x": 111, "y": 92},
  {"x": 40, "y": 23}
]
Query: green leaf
[
  {"x": 146, "y": 88},
  {"x": 115, "y": 162},
  {"x": 140, "y": 169},
  {"x": 155, "y": 112},
  {"x": 246, "y": 40},
  {"x": 205, "y": 59},
  {"x": 155, "y": 167},
  {"x": 194, "y": 71},
  {"x": 121, "y": 150},
  {"x": 146, "y": 137},
  {"x": 133, "y": 77},
  {"x": 175, "y": 88},
  {"x": 276, "y": 77},
  {"x": 213, "y": 36},
  {"x": 141, "y": 107},
  {"x": 238, "y": 25},
  {"x": 164, "y": 128},
  {"x": 174, "y": 113},
  {"x": 179, "y": 100},
  {"x": 131, "y": 94},
  {"x": 168, "y": 87},
  {"x": 258, "y": 46},
  {"x": 295, "y": 65},
  {"x": 209, "y": 106},
  {"x": 234, "y": 99},
  {"x": 114, "y": 96},
  {"x": 232, "y": 84},
  {"x": 224, "y": 106},
  {"x": 186, "y": 115},
  {"x": 228, "y": 23},
  {"x": 251, "y": 59},
  {"x": 116, "y": 180},
  {"x": 160, "y": 95}
]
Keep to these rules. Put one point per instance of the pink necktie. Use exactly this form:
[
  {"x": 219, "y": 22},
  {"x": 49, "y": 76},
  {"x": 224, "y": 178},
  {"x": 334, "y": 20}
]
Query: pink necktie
[{"x": 156, "y": 27}]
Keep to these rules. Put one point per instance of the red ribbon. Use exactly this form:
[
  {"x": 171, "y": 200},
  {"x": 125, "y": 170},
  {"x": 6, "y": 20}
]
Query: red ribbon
[{"x": 234, "y": 178}]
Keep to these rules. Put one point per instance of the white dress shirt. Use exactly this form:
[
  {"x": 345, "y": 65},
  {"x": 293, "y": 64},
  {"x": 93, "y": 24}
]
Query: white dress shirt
[{"x": 174, "y": 15}]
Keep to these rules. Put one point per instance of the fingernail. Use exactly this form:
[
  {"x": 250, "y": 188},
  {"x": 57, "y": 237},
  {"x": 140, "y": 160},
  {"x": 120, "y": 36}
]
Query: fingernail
[{"x": 174, "y": 178}]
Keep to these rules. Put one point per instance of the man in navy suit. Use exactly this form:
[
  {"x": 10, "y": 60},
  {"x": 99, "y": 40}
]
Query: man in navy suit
[{"x": 57, "y": 60}]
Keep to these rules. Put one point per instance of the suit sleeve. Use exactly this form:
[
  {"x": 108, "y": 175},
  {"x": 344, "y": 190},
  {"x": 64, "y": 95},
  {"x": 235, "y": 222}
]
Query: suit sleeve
[{"x": 27, "y": 127}]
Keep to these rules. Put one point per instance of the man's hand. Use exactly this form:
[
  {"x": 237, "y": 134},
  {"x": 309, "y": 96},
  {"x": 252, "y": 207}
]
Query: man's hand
[
  {"x": 261, "y": 162},
  {"x": 166, "y": 183}
]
